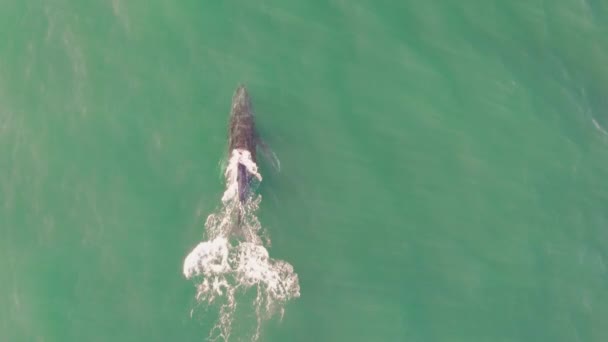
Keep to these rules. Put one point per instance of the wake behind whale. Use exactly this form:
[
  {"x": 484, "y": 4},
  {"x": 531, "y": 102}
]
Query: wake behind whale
[{"x": 233, "y": 260}]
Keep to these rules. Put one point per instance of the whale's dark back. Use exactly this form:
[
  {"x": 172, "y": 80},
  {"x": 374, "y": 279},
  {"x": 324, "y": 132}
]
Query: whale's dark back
[
  {"x": 241, "y": 132},
  {"x": 242, "y": 136},
  {"x": 243, "y": 178}
]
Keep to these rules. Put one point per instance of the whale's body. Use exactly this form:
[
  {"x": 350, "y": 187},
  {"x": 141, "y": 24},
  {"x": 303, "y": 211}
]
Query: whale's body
[{"x": 242, "y": 138}]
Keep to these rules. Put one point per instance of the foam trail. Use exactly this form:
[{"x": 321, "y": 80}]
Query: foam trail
[{"x": 233, "y": 259}]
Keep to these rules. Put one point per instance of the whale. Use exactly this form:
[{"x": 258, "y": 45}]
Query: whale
[{"x": 242, "y": 142}]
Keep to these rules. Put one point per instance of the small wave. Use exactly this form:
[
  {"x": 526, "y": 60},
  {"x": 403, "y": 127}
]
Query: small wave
[
  {"x": 234, "y": 259},
  {"x": 598, "y": 126}
]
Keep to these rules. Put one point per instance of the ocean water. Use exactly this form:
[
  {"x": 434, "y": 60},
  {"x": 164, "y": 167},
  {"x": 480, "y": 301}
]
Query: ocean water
[{"x": 444, "y": 166}]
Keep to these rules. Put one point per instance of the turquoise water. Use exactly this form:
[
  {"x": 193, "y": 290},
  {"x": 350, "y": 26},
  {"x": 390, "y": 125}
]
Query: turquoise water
[{"x": 443, "y": 173}]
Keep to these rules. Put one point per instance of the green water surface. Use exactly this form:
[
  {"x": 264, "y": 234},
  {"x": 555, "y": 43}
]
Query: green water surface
[{"x": 444, "y": 165}]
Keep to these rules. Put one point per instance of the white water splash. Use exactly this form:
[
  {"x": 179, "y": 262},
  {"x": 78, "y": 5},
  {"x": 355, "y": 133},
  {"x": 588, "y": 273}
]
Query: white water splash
[
  {"x": 237, "y": 157},
  {"x": 234, "y": 259}
]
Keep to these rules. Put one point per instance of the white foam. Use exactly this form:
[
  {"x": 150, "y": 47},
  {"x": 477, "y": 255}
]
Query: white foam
[
  {"x": 243, "y": 157},
  {"x": 224, "y": 266},
  {"x": 208, "y": 258}
]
